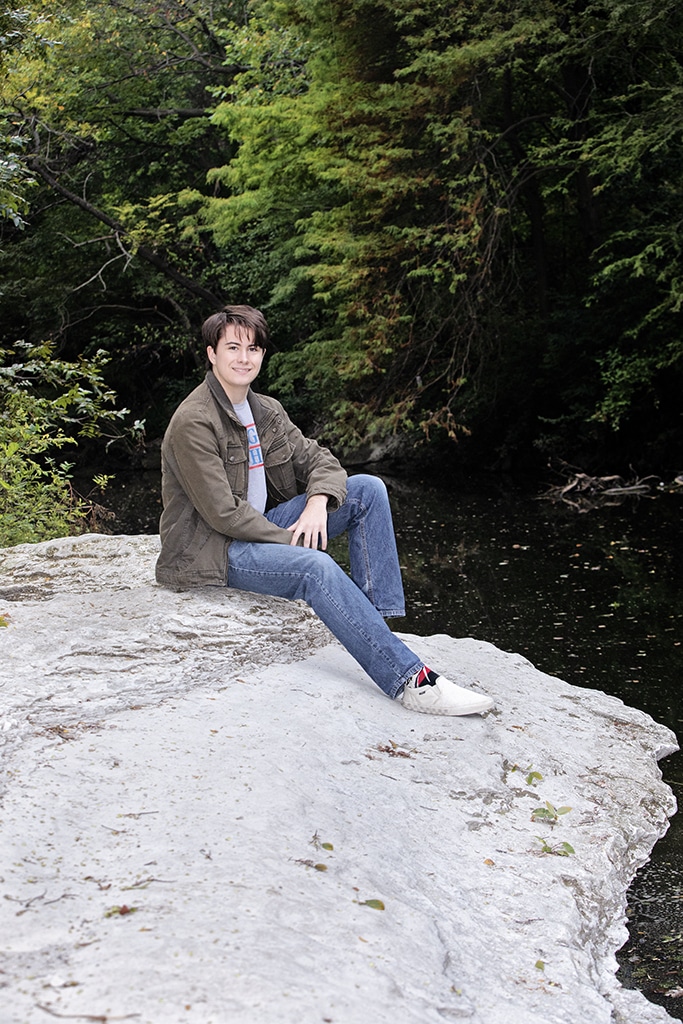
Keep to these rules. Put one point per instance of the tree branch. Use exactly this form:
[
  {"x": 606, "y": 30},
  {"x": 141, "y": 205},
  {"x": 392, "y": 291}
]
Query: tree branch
[
  {"x": 157, "y": 113},
  {"x": 143, "y": 251}
]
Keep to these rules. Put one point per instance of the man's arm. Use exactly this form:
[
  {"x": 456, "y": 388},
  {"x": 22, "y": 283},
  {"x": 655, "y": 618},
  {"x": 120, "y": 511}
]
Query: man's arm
[
  {"x": 323, "y": 478},
  {"x": 318, "y": 472}
]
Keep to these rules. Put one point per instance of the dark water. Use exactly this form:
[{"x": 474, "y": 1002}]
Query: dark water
[{"x": 595, "y": 598}]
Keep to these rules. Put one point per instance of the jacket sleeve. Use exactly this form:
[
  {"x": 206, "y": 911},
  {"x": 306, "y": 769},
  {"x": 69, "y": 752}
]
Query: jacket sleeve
[
  {"x": 316, "y": 468},
  {"x": 194, "y": 456}
]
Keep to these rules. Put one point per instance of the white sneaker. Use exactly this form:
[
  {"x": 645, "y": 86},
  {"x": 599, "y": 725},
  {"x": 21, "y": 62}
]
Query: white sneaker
[{"x": 442, "y": 697}]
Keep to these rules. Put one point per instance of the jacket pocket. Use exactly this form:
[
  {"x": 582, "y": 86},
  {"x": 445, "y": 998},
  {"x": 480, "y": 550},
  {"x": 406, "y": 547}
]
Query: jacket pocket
[
  {"x": 194, "y": 533},
  {"x": 236, "y": 468}
]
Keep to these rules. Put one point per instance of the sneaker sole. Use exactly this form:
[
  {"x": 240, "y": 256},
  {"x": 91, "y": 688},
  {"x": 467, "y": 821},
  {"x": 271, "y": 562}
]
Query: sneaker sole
[{"x": 454, "y": 712}]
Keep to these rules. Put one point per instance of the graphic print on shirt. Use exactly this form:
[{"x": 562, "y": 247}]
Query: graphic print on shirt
[
  {"x": 255, "y": 453},
  {"x": 257, "y": 489}
]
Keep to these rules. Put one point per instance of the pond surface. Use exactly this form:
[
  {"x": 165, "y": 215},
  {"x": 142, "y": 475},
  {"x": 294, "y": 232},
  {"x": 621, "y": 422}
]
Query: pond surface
[{"x": 595, "y": 598}]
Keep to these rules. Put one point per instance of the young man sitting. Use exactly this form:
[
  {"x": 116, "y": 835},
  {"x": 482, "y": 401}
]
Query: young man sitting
[{"x": 249, "y": 502}]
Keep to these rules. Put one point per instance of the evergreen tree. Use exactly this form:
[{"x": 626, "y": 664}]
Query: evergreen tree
[{"x": 447, "y": 184}]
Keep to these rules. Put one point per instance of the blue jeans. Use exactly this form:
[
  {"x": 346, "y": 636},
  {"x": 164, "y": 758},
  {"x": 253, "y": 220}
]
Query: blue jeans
[{"x": 353, "y": 608}]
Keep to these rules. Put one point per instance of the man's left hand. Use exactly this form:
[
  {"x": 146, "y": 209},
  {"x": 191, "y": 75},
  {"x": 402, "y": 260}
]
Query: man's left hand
[{"x": 310, "y": 529}]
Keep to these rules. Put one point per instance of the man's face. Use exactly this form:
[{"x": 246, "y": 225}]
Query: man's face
[{"x": 236, "y": 360}]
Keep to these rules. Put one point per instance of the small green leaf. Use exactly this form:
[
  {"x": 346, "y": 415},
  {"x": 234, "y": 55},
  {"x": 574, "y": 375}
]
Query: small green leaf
[
  {"x": 327, "y": 846},
  {"x": 548, "y": 813},
  {"x": 533, "y": 777},
  {"x": 375, "y": 904},
  {"x": 539, "y": 965},
  {"x": 320, "y": 867},
  {"x": 542, "y": 814}
]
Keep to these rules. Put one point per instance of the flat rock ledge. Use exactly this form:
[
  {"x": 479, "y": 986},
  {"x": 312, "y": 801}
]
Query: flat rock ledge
[{"x": 211, "y": 816}]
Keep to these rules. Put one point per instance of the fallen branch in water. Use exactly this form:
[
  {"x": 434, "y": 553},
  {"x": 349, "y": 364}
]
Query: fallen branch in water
[{"x": 584, "y": 492}]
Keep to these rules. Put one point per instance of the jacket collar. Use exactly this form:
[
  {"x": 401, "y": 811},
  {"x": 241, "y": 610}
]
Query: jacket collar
[{"x": 224, "y": 402}]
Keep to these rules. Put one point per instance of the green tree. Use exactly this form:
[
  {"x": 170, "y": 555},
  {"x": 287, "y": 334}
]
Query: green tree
[
  {"x": 447, "y": 185},
  {"x": 112, "y": 111}
]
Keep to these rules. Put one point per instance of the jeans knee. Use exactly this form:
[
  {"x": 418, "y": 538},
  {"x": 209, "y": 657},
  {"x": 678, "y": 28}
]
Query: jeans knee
[
  {"x": 320, "y": 566},
  {"x": 320, "y": 574},
  {"x": 366, "y": 487}
]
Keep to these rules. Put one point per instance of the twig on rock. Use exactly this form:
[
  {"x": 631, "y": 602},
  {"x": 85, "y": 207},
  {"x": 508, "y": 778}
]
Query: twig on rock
[{"x": 104, "y": 1018}]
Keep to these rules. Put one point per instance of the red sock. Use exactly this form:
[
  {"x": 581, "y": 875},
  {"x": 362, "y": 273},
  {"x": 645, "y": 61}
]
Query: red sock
[{"x": 425, "y": 677}]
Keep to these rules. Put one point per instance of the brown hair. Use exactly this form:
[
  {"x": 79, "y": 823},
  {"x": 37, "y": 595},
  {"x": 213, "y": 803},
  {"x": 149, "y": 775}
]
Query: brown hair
[{"x": 243, "y": 317}]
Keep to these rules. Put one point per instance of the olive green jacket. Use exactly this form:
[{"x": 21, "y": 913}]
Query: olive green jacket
[{"x": 205, "y": 469}]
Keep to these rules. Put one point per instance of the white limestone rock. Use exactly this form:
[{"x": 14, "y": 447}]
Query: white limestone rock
[{"x": 197, "y": 759}]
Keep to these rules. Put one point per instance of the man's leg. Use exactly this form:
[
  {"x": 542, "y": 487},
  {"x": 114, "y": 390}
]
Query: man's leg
[
  {"x": 314, "y": 577},
  {"x": 366, "y": 517},
  {"x": 341, "y": 602}
]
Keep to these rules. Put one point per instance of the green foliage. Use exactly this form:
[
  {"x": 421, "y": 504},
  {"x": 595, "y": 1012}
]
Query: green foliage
[
  {"x": 109, "y": 103},
  {"x": 532, "y": 777},
  {"x": 373, "y": 903},
  {"x": 328, "y": 164},
  {"x": 549, "y": 813},
  {"x": 442, "y": 182},
  {"x": 14, "y": 181},
  {"x": 36, "y": 502},
  {"x": 47, "y": 404},
  {"x": 463, "y": 220}
]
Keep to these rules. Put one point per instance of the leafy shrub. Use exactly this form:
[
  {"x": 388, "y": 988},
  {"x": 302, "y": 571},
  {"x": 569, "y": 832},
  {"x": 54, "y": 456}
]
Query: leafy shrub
[{"x": 46, "y": 404}]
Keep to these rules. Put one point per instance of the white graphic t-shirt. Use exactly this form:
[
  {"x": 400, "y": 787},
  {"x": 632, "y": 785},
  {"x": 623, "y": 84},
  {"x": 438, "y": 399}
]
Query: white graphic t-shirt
[{"x": 257, "y": 493}]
